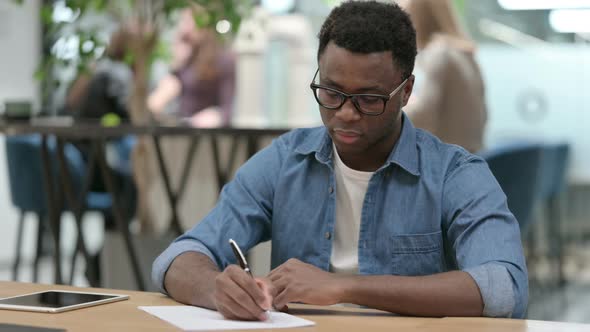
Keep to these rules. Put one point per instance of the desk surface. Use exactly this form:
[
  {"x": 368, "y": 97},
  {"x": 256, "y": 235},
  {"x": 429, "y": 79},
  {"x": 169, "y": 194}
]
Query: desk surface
[{"x": 124, "y": 316}]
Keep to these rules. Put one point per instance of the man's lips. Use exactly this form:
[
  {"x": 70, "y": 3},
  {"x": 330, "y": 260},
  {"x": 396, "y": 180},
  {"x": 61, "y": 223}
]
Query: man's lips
[
  {"x": 347, "y": 136},
  {"x": 347, "y": 132}
]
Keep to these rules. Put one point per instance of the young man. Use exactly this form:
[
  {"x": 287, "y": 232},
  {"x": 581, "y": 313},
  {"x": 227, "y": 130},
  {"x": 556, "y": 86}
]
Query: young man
[{"x": 365, "y": 210}]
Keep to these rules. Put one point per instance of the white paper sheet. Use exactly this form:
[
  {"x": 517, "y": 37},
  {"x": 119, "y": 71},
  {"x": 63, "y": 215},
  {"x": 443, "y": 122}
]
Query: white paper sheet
[{"x": 190, "y": 318}]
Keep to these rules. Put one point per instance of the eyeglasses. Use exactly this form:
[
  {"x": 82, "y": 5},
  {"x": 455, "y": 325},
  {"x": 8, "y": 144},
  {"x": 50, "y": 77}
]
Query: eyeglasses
[{"x": 366, "y": 103}]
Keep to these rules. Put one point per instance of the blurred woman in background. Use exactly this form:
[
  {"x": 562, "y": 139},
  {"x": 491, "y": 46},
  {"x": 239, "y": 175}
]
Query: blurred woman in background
[
  {"x": 202, "y": 76},
  {"x": 448, "y": 98},
  {"x": 106, "y": 87}
]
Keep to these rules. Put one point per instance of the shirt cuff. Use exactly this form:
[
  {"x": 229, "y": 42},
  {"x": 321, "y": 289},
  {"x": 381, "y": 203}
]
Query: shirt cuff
[
  {"x": 496, "y": 288},
  {"x": 163, "y": 262}
]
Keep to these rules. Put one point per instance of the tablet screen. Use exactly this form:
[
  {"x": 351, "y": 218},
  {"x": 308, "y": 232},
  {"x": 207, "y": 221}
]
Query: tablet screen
[{"x": 55, "y": 299}]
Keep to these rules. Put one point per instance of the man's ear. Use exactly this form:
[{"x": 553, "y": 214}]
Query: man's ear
[{"x": 407, "y": 90}]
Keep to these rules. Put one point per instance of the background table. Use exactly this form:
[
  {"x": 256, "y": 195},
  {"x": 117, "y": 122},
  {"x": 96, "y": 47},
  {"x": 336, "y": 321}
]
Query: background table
[
  {"x": 65, "y": 130},
  {"x": 124, "y": 316}
]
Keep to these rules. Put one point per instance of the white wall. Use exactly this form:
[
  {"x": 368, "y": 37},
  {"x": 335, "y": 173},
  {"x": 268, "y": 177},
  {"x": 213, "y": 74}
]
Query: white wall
[
  {"x": 20, "y": 49},
  {"x": 20, "y": 34},
  {"x": 558, "y": 77}
]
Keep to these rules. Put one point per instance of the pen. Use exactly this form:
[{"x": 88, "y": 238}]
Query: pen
[
  {"x": 240, "y": 257},
  {"x": 243, "y": 263}
]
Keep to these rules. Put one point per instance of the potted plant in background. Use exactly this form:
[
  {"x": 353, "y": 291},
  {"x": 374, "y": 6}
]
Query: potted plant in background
[
  {"x": 76, "y": 32},
  {"x": 74, "y": 36}
]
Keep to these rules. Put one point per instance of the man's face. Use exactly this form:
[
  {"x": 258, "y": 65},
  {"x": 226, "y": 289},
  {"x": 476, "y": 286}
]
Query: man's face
[{"x": 357, "y": 135}]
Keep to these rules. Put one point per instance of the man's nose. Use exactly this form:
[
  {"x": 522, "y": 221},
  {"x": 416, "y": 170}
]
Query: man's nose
[{"x": 348, "y": 111}]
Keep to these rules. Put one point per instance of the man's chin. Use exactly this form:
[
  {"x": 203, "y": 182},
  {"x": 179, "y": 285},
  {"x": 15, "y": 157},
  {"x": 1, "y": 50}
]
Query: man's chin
[{"x": 344, "y": 148}]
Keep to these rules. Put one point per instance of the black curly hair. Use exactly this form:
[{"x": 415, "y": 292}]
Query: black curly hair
[{"x": 371, "y": 26}]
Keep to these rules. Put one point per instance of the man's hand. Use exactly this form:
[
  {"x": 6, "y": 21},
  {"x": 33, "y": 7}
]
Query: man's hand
[
  {"x": 239, "y": 296},
  {"x": 295, "y": 281}
]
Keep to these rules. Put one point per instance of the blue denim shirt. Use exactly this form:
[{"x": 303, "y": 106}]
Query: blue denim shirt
[{"x": 431, "y": 208}]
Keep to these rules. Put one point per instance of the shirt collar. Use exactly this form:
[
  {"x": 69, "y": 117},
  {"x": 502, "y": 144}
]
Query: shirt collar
[
  {"x": 318, "y": 142},
  {"x": 404, "y": 153}
]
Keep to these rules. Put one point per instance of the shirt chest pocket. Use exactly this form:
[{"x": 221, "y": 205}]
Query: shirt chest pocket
[{"x": 417, "y": 254}]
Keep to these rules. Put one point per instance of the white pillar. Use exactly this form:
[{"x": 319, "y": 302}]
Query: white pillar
[
  {"x": 250, "y": 44},
  {"x": 297, "y": 32}
]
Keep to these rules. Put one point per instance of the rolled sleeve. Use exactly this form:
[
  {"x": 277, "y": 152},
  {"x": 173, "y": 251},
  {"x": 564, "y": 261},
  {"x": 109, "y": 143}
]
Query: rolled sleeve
[
  {"x": 243, "y": 213},
  {"x": 485, "y": 238},
  {"x": 496, "y": 288},
  {"x": 163, "y": 262}
]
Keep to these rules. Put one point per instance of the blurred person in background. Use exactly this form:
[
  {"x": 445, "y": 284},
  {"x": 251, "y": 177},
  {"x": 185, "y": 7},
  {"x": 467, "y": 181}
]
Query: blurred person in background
[
  {"x": 103, "y": 93},
  {"x": 202, "y": 76},
  {"x": 106, "y": 87},
  {"x": 448, "y": 99}
]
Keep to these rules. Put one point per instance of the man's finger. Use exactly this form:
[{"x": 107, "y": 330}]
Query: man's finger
[
  {"x": 251, "y": 288},
  {"x": 283, "y": 298},
  {"x": 269, "y": 292},
  {"x": 279, "y": 284},
  {"x": 273, "y": 276},
  {"x": 231, "y": 309},
  {"x": 243, "y": 299},
  {"x": 226, "y": 286}
]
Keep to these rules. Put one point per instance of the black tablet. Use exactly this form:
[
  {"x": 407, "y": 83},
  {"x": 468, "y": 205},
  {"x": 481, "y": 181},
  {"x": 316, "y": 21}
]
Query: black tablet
[{"x": 54, "y": 301}]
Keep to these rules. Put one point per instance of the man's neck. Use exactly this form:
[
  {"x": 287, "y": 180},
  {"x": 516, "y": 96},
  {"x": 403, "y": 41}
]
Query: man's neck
[
  {"x": 373, "y": 158},
  {"x": 362, "y": 162}
]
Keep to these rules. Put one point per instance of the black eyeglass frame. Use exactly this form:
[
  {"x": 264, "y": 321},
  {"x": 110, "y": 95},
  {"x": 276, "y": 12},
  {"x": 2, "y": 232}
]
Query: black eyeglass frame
[{"x": 344, "y": 96}]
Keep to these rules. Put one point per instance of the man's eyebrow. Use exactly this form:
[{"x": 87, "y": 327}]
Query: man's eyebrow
[{"x": 369, "y": 89}]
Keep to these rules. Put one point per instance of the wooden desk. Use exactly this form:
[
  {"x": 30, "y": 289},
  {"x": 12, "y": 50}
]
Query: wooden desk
[{"x": 124, "y": 316}]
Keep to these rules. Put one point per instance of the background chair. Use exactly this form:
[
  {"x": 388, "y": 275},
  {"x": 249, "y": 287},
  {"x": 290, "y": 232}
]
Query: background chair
[
  {"x": 98, "y": 198},
  {"x": 517, "y": 167},
  {"x": 25, "y": 177},
  {"x": 25, "y": 174},
  {"x": 552, "y": 188}
]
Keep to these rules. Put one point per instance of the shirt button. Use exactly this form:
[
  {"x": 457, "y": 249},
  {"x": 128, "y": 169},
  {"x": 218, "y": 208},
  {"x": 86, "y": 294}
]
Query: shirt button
[
  {"x": 331, "y": 189},
  {"x": 327, "y": 235}
]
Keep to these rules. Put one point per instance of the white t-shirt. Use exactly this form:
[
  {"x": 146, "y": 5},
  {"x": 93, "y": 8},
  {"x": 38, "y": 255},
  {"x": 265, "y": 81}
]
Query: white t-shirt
[{"x": 351, "y": 187}]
